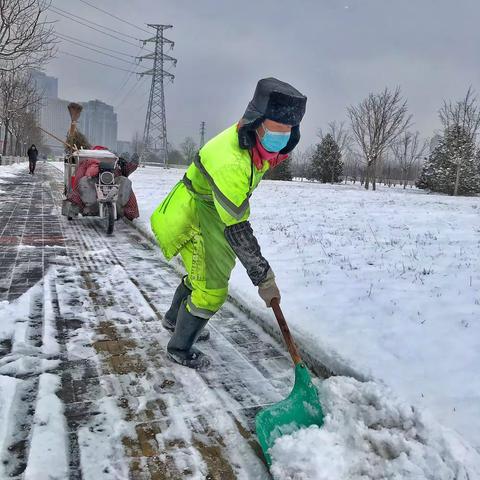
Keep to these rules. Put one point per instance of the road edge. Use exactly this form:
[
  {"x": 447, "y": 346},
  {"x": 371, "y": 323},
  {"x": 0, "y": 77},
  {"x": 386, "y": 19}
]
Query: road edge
[{"x": 321, "y": 363}]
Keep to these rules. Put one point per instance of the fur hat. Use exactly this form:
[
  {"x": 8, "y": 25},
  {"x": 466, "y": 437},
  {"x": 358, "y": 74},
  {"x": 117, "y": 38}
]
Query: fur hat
[{"x": 274, "y": 100}]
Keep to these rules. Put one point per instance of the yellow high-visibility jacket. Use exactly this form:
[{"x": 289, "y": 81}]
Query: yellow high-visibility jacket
[{"x": 214, "y": 193}]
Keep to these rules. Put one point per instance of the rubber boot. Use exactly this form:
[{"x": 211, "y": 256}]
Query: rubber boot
[
  {"x": 180, "y": 347},
  {"x": 170, "y": 318}
]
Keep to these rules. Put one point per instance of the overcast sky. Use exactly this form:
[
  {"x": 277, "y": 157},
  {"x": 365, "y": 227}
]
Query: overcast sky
[{"x": 333, "y": 51}]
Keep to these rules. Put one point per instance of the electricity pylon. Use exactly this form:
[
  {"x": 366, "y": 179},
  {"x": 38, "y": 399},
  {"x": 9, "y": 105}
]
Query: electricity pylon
[{"x": 155, "y": 131}]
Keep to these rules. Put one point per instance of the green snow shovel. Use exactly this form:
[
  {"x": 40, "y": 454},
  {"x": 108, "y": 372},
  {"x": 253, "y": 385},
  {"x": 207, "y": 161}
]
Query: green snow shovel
[{"x": 300, "y": 409}]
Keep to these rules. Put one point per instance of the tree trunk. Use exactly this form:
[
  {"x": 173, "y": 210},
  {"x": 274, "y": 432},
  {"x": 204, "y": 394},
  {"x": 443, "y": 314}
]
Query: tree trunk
[
  {"x": 374, "y": 175},
  {"x": 457, "y": 180},
  {"x": 5, "y": 138},
  {"x": 367, "y": 176}
]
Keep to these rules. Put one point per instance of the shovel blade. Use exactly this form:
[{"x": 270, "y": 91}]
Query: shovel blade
[{"x": 299, "y": 410}]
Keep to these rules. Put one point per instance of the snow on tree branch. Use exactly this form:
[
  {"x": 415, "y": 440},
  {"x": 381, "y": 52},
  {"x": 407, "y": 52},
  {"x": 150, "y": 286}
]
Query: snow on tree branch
[
  {"x": 18, "y": 98},
  {"x": 26, "y": 37},
  {"x": 463, "y": 113}
]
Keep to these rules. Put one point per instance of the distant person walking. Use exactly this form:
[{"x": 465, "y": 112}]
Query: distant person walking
[{"x": 32, "y": 153}]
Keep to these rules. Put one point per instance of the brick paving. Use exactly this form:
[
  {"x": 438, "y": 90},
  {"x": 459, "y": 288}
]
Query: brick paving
[
  {"x": 107, "y": 295},
  {"x": 30, "y": 231}
]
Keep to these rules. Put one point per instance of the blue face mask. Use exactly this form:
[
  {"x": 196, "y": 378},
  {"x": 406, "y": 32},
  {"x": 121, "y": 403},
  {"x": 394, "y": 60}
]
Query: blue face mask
[{"x": 274, "y": 141}]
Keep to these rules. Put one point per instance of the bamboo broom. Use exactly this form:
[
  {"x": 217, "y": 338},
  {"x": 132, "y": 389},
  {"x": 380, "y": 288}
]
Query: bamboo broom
[
  {"x": 74, "y": 136},
  {"x": 75, "y": 109}
]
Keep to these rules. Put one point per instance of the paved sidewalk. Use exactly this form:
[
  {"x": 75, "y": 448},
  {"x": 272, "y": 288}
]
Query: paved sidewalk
[
  {"x": 31, "y": 240},
  {"x": 30, "y": 230},
  {"x": 128, "y": 411}
]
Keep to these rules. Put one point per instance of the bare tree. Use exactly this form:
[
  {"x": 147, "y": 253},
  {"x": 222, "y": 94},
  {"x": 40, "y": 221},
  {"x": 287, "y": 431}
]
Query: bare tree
[
  {"x": 18, "y": 97},
  {"x": 301, "y": 161},
  {"x": 26, "y": 131},
  {"x": 464, "y": 115},
  {"x": 376, "y": 123},
  {"x": 189, "y": 149},
  {"x": 340, "y": 134},
  {"x": 137, "y": 143},
  {"x": 26, "y": 37},
  {"x": 351, "y": 165},
  {"x": 408, "y": 151}
]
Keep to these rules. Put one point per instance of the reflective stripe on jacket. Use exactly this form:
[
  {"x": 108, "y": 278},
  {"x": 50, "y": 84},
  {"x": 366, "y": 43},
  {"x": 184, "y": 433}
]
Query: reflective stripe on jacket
[
  {"x": 222, "y": 177},
  {"x": 226, "y": 172}
]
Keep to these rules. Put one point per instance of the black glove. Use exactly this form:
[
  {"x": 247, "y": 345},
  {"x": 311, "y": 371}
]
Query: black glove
[
  {"x": 243, "y": 242},
  {"x": 122, "y": 163}
]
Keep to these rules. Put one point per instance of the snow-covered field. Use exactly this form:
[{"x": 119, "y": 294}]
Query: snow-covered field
[{"x": 385, "y": 283}]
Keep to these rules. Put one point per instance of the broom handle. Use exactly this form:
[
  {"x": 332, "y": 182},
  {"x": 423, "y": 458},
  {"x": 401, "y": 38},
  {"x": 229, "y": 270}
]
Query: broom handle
[
  {"x": 55, "y": 137},
  {"x": 287, "y": 336},
  {"x": 73, "y": 127}
]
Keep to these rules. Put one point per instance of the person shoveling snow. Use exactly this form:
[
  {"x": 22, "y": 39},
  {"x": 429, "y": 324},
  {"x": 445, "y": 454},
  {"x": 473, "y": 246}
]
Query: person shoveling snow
[{"x": 205, "y": 217}]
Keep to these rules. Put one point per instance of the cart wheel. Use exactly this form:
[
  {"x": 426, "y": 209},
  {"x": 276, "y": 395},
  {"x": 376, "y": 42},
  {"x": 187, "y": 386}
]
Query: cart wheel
[{"x": 110, "y": 217}]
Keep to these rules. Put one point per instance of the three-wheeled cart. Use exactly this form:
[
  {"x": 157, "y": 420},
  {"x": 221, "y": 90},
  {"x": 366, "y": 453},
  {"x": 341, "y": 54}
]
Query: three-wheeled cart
[{"x": 98, "y": 193}]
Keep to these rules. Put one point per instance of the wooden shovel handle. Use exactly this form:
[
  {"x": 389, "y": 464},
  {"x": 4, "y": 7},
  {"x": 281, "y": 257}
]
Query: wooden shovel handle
[{"x": 287, "y": 336}]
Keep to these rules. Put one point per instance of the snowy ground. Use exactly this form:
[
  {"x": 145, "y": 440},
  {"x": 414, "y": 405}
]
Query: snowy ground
[
  {"x": 385, "y": 283},
  {"x": 85, "y": 385},
  {"x": 368, "y": 434}
]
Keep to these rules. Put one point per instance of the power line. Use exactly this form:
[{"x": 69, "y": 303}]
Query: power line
[
  {"x": 129, "y": 92},
  {"x": 94, "y": 61},
  {"x": 96, "y": 29},
  {"x": 141, "y": 106},
  {"x": 93, "y": 28},
  {"x": 92, "y": 22},
  {"x": 114, "y": 16},
  {"x": 69, "y": 37},
  {"x": 102, "y": 53},
  {"x": 123, "y": 85},
  {"x": 125, "y": 80}
]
